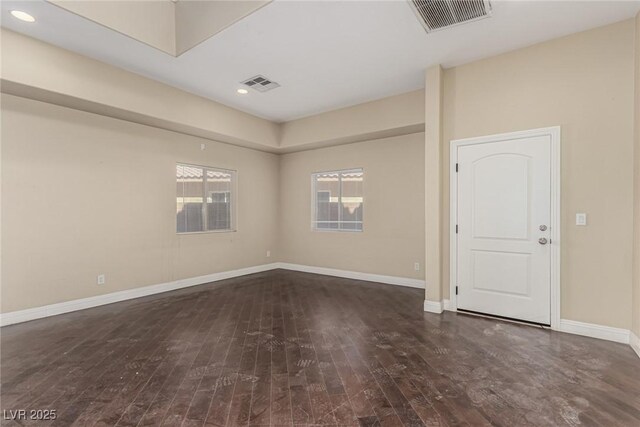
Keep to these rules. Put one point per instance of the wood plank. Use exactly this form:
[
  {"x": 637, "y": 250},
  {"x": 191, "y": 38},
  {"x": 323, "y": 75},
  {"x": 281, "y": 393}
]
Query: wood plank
[{"x": 286, "y": 348}]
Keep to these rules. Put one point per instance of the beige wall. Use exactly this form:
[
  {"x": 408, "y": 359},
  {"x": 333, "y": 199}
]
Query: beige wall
[
  {"x": 393, "y": 116},
  {"x": 584, "y": 83},
  {"x": 84, "y": 195},
  {"x": 393, "y": 236},
  {"x": 636, "y": 156}
]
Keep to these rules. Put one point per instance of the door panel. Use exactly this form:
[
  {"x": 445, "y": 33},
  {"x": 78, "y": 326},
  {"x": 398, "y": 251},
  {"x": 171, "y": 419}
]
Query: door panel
[
  {"x": 504, "y": 196},
  {"x": 501, "y": 206},
  {"x": 502, "y": 272}
]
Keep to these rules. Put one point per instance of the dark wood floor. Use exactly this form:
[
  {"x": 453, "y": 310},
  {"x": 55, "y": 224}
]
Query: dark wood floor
[{"x": 284, "y": 348}]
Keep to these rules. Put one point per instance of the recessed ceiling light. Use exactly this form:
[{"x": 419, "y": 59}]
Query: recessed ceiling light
[
  {"x": 23, "y": 16},
  {"x": 242, "y": 91}
]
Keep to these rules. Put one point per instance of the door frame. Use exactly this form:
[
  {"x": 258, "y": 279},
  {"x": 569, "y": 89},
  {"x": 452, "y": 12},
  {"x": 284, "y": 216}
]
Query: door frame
[{"x": 554, "y": 226}]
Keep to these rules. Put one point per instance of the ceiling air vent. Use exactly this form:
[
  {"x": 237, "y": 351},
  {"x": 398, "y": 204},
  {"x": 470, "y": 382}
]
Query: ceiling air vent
[
  {"x": 440, "y": 14},
  {"x": 260, "y": 83}
]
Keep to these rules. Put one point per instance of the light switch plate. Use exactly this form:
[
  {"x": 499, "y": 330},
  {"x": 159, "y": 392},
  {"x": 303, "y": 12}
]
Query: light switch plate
[{"x": 581, "y": 219}]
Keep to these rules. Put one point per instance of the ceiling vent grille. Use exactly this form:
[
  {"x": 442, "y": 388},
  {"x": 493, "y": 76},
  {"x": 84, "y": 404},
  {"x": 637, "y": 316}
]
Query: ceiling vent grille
[
  {"x": 440, "y": 14},
  {"x": 260, "y": 83}
]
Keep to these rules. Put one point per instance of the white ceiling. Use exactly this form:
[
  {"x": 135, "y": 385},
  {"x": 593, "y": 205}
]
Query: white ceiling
[{"x": 324, "y": 54}]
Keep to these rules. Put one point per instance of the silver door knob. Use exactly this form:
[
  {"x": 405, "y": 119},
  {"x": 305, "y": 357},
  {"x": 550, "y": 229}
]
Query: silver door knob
[
  {"x": 543, "y": 227},
  {"x": 542, "y": 241}
]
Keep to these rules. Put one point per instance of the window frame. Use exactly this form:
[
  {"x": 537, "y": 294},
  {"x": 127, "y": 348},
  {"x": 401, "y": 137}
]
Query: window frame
[
  {"x": 314, "y": 204},
  {"x": 233, "y": 194}
]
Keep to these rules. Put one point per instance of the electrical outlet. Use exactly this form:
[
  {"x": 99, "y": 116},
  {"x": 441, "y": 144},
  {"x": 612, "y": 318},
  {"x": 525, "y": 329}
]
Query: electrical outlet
[
  {"x": 101, "y": 279},
  {"x": 202, "y": 147},
  {"x": 268, "y": 254},
  {"x": 581, "y": 219},
  {"x": 416, "y": 266}
]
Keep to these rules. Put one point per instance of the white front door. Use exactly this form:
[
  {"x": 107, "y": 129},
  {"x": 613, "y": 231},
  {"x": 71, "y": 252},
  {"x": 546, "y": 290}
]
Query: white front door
[{"x": 503, "y": 218}]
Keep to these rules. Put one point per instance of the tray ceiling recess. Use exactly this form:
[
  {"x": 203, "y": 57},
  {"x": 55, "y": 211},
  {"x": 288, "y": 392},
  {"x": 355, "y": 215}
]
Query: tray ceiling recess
[{"x": 173, "y": 27}]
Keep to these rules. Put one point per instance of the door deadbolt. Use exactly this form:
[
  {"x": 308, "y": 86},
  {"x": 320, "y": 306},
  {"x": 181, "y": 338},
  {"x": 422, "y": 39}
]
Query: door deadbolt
[{"x": 543, "y": 227}]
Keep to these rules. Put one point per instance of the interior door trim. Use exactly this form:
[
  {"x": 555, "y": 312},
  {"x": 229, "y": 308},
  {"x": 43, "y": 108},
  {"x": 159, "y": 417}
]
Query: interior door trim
[{"x": 554, "y": 227}]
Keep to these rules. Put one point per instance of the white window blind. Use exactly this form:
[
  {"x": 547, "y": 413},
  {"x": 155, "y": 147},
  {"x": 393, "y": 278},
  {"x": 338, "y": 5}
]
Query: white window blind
[
  {"x": 205, "y": 199},
  {"x": 338, "y": 200}
]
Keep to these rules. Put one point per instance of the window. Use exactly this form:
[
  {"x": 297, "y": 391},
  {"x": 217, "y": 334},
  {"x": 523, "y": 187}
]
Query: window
[
  {"x": 338, "y": 200},
  {"x": 204, "y": 199}
]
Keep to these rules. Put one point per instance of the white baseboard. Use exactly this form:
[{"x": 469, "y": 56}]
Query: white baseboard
[
  {"x": 634, "y": 341},
  {"x": 595, "y": 331},
  {"x": 433, "y": 306},
  {"x": 591, "y": 330},
  {"x": 84, "y": 303},
  {"x": 389, "y": 280},
  {"x": 570, "y": 326},
  {"x": 437, "y": 306}
]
